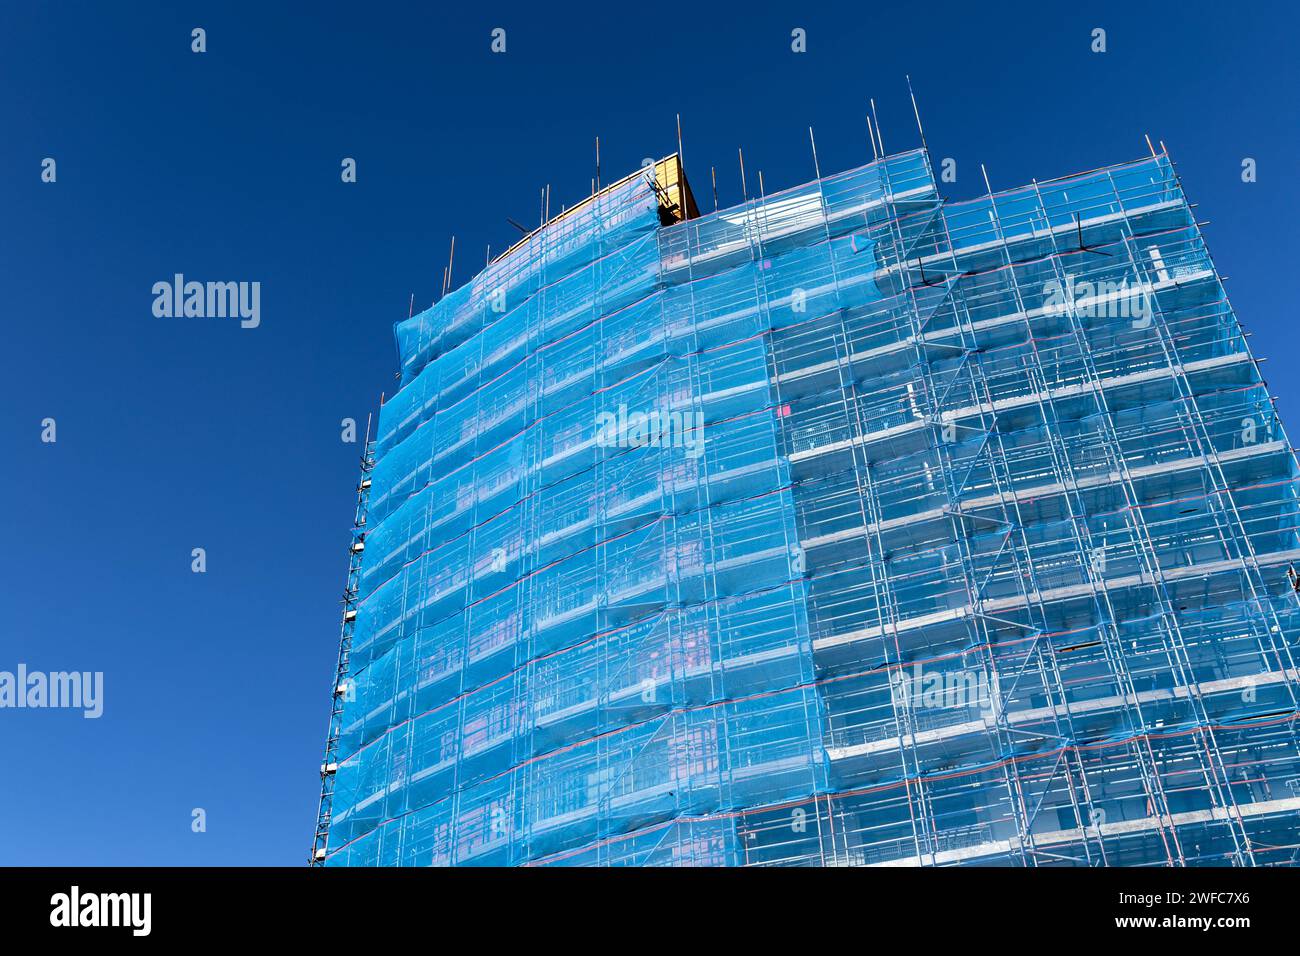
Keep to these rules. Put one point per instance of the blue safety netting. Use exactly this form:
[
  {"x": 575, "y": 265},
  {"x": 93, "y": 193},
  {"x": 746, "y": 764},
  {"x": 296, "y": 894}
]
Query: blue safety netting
[{"x": 866, "y": 442}]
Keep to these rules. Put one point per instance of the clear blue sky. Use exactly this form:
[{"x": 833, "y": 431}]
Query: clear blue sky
[{"x": 182, "y": 433}]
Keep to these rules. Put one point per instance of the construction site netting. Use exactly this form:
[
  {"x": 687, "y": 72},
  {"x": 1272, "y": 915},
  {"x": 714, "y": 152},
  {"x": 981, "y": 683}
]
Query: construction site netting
[{"x": 977, "y": 553}]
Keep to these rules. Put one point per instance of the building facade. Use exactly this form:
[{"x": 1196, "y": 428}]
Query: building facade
[{"x": 847, "y": 526}]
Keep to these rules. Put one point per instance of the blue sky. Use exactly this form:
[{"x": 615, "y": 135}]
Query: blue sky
[{"x": 179, "y": 433}]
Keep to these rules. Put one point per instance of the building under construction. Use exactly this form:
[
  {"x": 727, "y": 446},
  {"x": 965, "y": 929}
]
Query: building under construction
[{"x": 847, "y": 526}]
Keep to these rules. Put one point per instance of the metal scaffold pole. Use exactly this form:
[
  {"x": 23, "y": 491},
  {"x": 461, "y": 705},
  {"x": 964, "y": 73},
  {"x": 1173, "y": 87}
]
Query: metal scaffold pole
[{"x": 343, "y": 690}]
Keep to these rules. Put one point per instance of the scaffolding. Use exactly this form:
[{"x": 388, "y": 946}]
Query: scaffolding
[
  {"x": 342, "y": 688},
  {"x": 944, "y": 533}
]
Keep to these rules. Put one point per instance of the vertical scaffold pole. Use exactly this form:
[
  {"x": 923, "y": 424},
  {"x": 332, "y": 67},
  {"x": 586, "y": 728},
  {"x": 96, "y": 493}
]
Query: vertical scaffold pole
[
  {"x": 917, "y": 113},
  {"x": 341, "y": 691}
]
